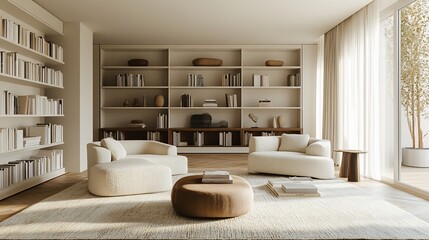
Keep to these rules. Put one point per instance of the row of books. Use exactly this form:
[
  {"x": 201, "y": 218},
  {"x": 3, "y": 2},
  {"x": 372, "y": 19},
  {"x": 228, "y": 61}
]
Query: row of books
[
  {"x": 225, "y": 139},
  {"x": 176, "y": 138},
  {"x": 41, "y": 163},
  {"x": 231, "y": 100},
  {"x": 186, "y": 100},
  {"x": 155, "y": 136},
  {"x": 217, "y": 177},
  {"x": 231, "y": 80},
  {"x": 261, "y": 80},
  {"x": 130, "y": 80},
  {"x": 12, "y": 64},
  {"x": 15, "y": 32},
  {"x": 41, "y": 134},
  {"x": 117, "y": 135},
  {"x": 49, "y": 133},
  {"x": 162, "y": 120},
  {"x": 195, "y": 80},
  {"x": 294, "y": 79},
  {"x": 248, "y": 135},
  {"x": 199, "y": 139},
  {"x": 11, "y": 104}
]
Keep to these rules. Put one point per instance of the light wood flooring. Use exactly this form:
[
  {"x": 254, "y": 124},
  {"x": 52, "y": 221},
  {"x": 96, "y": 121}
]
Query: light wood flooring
[
  {"x": 416, "y": 177},
  {"x": 197, "y": 162}
]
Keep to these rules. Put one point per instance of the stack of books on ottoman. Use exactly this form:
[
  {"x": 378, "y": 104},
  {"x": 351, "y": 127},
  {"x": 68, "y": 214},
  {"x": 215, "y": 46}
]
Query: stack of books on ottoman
[
  {"x": 216, "y": 177},
  {"x": 288, "y": 188}
]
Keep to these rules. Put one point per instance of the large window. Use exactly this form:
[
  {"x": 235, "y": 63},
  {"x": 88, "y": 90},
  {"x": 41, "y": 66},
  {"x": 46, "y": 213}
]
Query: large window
[{"x": 414, "y": 94}]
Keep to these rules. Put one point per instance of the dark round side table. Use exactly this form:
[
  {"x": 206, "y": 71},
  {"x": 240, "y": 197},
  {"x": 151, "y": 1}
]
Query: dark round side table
[{"x": 350, "y": 164}]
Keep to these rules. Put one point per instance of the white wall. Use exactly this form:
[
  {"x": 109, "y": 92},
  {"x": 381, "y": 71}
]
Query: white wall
[
  {"x": 77, "y": 43},
  {"x": 309, "y": 75}
]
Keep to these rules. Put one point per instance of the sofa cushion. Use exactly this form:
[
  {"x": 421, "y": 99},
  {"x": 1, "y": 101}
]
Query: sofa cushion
[
  {"x": 320, "y": 148},
  {"x": 118, "y": 151},
  {"x": 294, "y": 142}
]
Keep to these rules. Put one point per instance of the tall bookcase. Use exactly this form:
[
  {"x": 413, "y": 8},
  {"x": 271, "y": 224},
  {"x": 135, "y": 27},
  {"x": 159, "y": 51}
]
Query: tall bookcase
[
  {"x": 17, "y": 77},
  {"x": 167, "y": 74}
]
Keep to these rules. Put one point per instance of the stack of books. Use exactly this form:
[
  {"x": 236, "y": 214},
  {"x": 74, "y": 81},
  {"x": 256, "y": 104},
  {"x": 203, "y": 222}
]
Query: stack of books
[
  {"x": 265, "y": 103},
  {"x": 210, "y": 103},
  {"x": 289, "y": 188},
  {"x": 217, "y": 177}
]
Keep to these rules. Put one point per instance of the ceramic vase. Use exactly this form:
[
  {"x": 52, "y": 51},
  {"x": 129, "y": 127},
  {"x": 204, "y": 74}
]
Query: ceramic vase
[
  {"x": 275, "y": 125},
  {"x": 281, "y": 121},
  {"x": 159, "y": 100}
]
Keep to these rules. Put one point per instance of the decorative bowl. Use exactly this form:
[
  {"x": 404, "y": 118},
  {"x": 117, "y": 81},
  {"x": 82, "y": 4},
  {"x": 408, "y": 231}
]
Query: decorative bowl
[
  {"x": 207, "y": 62},
  {"x": 274, "y": 63},
  {"x": 138, "y": 62}
]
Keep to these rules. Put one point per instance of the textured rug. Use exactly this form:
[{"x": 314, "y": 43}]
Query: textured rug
[{"x": 342, "y": 211}]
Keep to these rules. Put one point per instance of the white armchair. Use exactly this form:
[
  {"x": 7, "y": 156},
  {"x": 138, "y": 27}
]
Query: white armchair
[
  {"x": 132, "y": 167},
  {"x": 312, "y": 160}
]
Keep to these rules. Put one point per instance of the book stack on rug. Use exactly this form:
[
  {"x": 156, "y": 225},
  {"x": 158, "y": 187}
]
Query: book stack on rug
[
  {"x": 293, "y": 187},
  {"x": 217, "y": 177}
]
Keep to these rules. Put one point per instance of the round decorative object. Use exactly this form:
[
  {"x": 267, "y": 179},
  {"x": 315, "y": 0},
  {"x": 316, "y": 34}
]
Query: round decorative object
[
  {"x": 138, "y": 62},
  {"x": 281, "y": 121},
  {"x": 207, "y": 62},
  {"x": 192, "y": 198},
  {"x": 159, "y": 100},
  {"x": 274, "y": 63},
  {"x": 136, "y": 121}
]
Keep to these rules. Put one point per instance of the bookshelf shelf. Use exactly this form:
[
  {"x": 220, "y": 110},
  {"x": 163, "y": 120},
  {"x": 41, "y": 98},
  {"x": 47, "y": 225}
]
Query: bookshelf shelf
[
  {"x": 31, "y": 148},
  {"x": 23, "y": 185},
  {"x": 28, "y": 116},
  {"x": 28, "y": 52},
  {"x": 230, "y": 84},
  {"x": 27, "y": 82}
]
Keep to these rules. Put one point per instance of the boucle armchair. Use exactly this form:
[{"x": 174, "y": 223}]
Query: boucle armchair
[
  {"x": 286, "y": 155},
  {"x": 132, "y": 167}
]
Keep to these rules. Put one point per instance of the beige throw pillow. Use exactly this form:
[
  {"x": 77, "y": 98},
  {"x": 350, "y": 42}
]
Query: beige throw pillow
[
  {"x": 118, "y": 151},
  {"x": 294, "y": 142}
]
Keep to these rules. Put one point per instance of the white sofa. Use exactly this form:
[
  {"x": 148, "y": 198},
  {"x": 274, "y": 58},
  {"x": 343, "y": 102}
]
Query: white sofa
[
  {"x": 314, "y": 160},
  {"x": 132, "y": 167}
]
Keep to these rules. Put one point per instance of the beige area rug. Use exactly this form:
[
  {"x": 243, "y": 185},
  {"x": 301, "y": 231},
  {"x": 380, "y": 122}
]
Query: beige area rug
[{"x": 342, "y": 211}]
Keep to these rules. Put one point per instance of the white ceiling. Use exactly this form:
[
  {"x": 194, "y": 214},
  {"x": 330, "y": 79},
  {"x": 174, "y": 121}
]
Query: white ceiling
[{"x": 205, "y": 21}]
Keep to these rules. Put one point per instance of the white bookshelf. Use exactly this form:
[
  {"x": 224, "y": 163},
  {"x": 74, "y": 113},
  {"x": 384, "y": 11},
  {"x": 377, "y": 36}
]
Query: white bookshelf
[
  {"x": 37, "y": 20},
  {"x": 167, "y": 72}
]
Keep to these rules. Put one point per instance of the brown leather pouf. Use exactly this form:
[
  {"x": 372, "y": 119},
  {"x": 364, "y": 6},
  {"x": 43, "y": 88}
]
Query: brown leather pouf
[{"x": 192, "y": 198}]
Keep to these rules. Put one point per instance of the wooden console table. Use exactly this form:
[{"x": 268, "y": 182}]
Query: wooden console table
[{"x": 350, "y": 164}]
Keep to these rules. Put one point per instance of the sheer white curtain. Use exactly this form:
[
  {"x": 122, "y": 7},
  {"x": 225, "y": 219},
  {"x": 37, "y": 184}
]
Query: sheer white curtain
[{"x": 351, "y": 86}]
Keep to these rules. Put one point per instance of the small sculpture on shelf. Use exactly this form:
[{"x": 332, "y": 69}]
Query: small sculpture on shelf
[
  {"x": 136, "y": 102},
  {"x": 159, "y": 100},
  {"x": 254, "y": 119},
  {"x": 281, "y": 121},
  {"x": 126, "y": 103}
]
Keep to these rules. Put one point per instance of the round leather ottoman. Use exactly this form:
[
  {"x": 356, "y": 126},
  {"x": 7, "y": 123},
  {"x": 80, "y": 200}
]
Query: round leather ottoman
[{"x": 192, "y": 198}]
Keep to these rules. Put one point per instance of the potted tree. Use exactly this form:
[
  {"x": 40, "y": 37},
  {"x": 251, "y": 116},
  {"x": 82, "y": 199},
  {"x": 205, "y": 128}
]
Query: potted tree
[{"x": 415, "y": 79}]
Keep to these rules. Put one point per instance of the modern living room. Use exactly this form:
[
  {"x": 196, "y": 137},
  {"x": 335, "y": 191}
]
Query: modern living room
[{"x": 298, "y": 119}]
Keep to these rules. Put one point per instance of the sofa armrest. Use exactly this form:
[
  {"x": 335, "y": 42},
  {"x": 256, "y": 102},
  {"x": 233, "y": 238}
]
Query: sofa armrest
[
  {"x": 97, "y": 154},
  {"x": 319, "y": 148},
  {"x": 135, "y": 147},
  {"x": 264, "y": 143}
]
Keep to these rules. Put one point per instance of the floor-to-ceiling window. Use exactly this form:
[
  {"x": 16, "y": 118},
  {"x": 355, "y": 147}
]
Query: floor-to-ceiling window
[
  {"x": 404, "y": 73},
  {"x": 413, "y": 26}
]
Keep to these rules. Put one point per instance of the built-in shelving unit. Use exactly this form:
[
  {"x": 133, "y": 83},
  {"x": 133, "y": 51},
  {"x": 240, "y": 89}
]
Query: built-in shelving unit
[
  {"x": 167, "y": 74},
  {"x": 19, "y": 79}
]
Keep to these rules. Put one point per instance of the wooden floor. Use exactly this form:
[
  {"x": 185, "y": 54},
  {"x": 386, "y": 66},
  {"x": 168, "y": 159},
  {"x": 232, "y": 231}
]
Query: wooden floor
[
  {"x": 197, "y": 162},
  {"x": 416, "y": 177}
]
